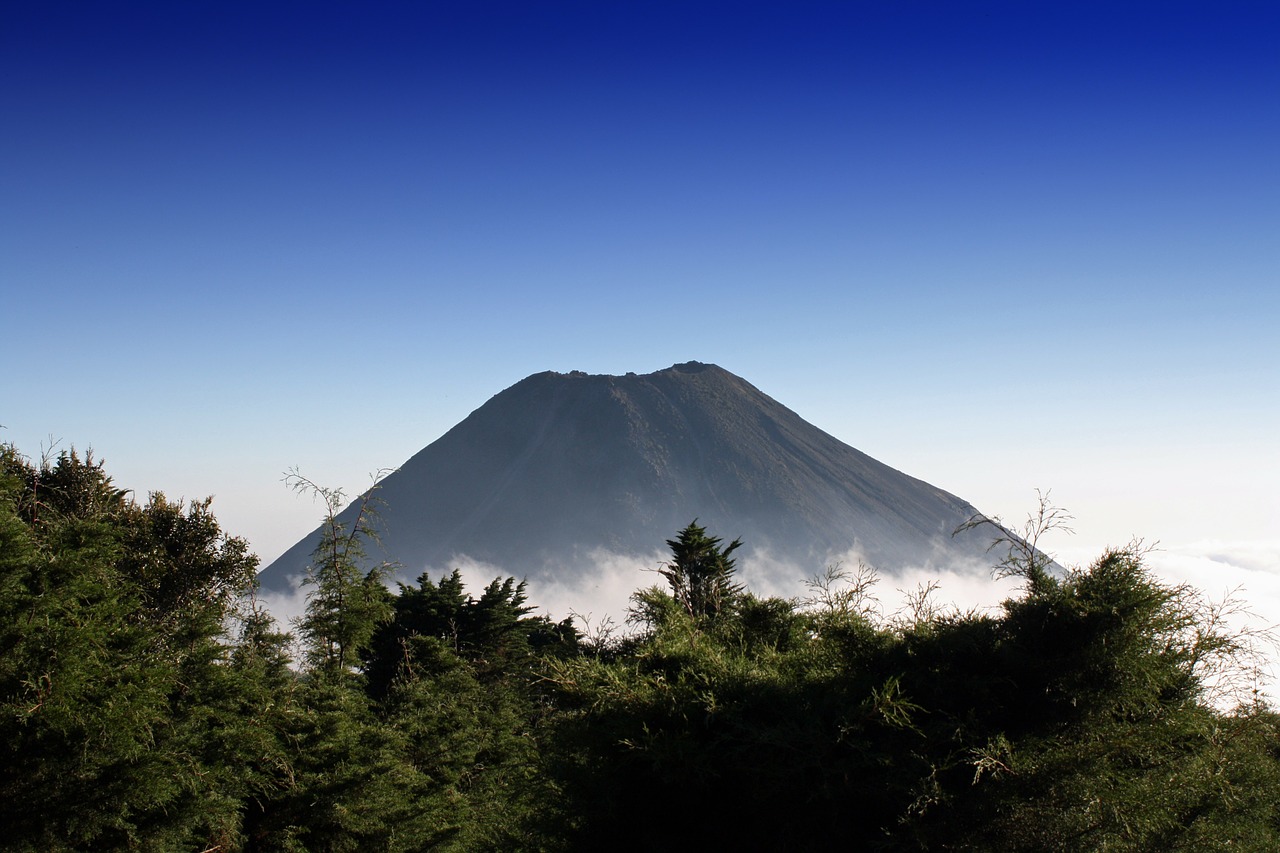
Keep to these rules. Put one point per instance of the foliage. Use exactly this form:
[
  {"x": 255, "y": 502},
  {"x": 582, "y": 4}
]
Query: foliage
[
  {"x": 701, "y": 572},
  {"x": 119, "y": 714},
  {"x": 148, "y": 702},
  {"x": 180, "y": 559},
  {"x": 495, "y": 633},
  {"x": 1056, "y": 724},
  {"x": 1022, "y": 555},
  {"x": 347, "y": 604}
]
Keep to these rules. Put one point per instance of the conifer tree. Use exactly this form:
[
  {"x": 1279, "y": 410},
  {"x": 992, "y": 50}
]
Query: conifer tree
[
  {"x": 112, "y": 702},
  {"x": 348, "y": 602},
  {"x": 701, "y": 572}
]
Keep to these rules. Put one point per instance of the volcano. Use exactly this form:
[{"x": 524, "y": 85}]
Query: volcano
[{"x": 563, "y": 467}]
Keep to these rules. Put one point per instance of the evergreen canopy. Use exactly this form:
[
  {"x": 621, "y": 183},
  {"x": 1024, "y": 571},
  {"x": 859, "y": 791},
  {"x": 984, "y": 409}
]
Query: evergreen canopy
[{"x": 148, "y": 702}]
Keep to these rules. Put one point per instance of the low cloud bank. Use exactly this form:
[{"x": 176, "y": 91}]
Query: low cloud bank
[
  {"x": 1213, "y": 563},
  {"x": 601, "y": 583},
  {"x": 1247, "y": 570},
  {"x": 597, "y": 586}
]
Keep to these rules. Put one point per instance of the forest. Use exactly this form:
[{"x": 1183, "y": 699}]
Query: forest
[{"x": 150, "y": 702}]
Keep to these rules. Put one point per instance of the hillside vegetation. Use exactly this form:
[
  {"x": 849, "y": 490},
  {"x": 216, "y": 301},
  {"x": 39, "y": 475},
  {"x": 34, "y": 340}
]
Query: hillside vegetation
[{"x": 148, "y": 703}]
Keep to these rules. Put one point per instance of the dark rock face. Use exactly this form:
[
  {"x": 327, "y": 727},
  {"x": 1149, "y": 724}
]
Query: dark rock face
[{"x": 560, "y": 465}]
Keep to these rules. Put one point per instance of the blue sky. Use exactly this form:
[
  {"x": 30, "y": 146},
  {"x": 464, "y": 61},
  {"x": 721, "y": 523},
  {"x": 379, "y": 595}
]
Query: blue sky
[{"x": 999, "y": 246}]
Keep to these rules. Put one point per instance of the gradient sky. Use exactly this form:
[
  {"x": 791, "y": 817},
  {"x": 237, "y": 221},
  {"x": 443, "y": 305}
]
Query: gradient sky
[{"x": 999, "y": 246}]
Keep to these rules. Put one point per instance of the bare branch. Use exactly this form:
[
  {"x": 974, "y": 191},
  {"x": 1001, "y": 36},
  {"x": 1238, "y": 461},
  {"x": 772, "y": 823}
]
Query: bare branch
[
  {"x": 1025, "y": 558},
  {"x": 843, "y": 592}
]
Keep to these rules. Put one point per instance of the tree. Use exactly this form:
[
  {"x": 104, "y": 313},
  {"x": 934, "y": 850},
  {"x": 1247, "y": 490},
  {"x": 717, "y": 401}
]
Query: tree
[
  {"x": 348, "y": 604},
  {"x": 1023, "y": 557},
  {"x": 495, "y": 633},
  {"x": 181, "y": 560},
  {"x": 1078, "y": 718},
  {"x": 119, "y": 706},
  {"x": 701, "y": 572}
]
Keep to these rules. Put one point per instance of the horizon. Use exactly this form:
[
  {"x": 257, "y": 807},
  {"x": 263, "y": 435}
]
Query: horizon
[{"x": 997, "y": 248}]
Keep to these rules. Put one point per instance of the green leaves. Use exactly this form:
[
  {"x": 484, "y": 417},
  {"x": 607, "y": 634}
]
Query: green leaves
[
  {"x": 107, "y": 698},
  {"x": 701, "y": 572},
  {"x": 348, "y": 602},
  {"x": 1073, "y": 720},
  {"x": 147, "y": 703},
  {"x": 181, "y": 560}
]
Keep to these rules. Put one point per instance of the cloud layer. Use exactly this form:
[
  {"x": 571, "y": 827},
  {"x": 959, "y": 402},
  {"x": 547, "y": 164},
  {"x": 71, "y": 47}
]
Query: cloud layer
[{"x": 1247, "y": 572}]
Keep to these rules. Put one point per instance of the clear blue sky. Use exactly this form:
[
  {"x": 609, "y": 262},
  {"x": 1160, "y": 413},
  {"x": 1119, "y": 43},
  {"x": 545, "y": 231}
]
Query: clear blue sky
[{"x": 999, "y": 246}]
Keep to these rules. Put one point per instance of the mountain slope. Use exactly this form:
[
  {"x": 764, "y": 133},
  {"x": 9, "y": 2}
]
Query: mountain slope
[{"x": 559, "y": 466}]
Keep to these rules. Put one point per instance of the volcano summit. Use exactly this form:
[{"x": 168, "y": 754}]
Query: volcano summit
[{"x": 560, "y": 468}]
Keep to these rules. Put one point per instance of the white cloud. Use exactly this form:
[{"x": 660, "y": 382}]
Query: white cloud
[
  {"x": 598, "y": 586},
  {"x": 599, "y": 593},
  {"x": 1245, "y": 569},
  {"x": 286, "y": 606}
]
